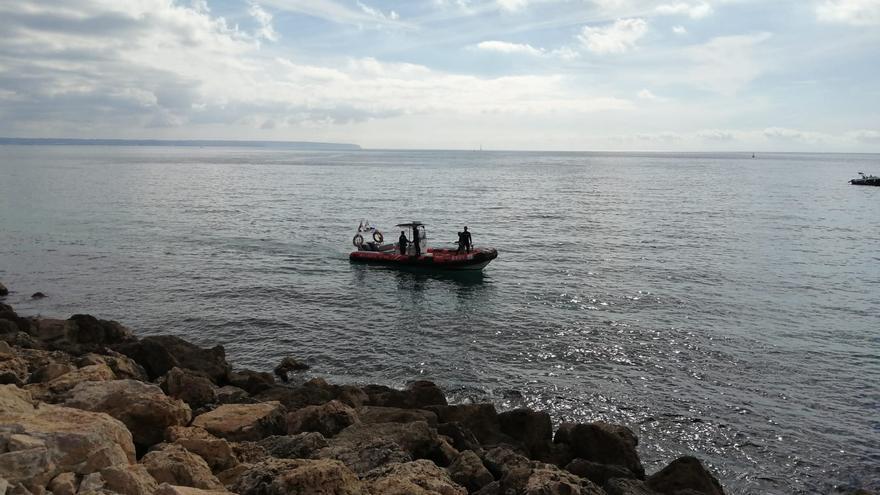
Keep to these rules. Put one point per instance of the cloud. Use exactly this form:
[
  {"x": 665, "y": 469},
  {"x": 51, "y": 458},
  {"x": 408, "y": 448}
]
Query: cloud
[
  {"x": 716, "y": 135},
  {"x": 263, "y": 18},
  {"x": 727, "y": 64},
  {"x": 646, "y": 94},
  {"x": 785, "y": 134},
  {"x": 512, "y": 48},
  {"x": 334, "y": 12},
  {"x": 377, "y": 14},
  {"x": 615, "y": 38},
  {"x": 680, "y": 30},
  {"x": 692, "y": 10},
  {"x": 854, "y": 12},
  {"x": 866, "y": 136},
  {"x": 512, "y": 5}
]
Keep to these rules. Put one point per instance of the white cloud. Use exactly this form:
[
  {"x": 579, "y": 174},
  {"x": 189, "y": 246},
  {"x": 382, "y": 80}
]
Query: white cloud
[
  {"x": 866, "y": 136},
  {"x": 855, "y": 12},
  {"x": 616, "y": 38},
  {"x": 693, "y": 10},
  {"x": 680, "y": 30},
  {"x": 786, "y": 134},
  {"x": 646, "y": 94},
  {"x": 512, "y": 5},
  {"x": 264, "y": 19},
  {"x": 505, "y": 47},
  {"x": 727, "y": 64},
  {"x": 716, "y": 135},
  {"x": 378, "y": 14}
]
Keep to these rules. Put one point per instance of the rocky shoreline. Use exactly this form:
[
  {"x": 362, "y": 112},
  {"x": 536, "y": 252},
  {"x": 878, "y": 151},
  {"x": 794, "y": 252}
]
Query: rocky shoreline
[{"x": 86, "y": 407}]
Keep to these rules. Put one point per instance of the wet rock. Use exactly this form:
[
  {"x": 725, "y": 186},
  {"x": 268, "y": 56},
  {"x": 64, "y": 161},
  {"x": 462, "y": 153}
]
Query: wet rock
[
  {"x": 462, "y": 438},
  {"x": 300, "y": 446},
  {"x": 417, "y": 438},
  {"x": 63, "y": 484},
  {"x": 468, "y": 471},
  {"x": 598, "y": 473},
  {"x": 327, "y": 419},
  {"x": 602, "y": 443},
  {"x": 3, "y": 290},
  {"x": 133, "y": 479},
  {"x": 62, "y": 439},
  {"x": 142, "y": 407},
  {"x": 54, "y": 390},
  {"x": 37, "y": 295},
  {"x": 243, "y": 422},
  {"x": 546, "y": 479},
  {"x": 481, "y": 419},
  {"x": 365, "y": 455},
  {"x": 625, "y": 486},
  {"x": 502, "y": 459},
  {"x": 79, "y": 334},
  {"x": 531, "y": 428},
  {"x": 289, "y": 365},
  {"x": 379, "y": 414},
  {"x": 299, "y": 476},
  {"x": 420, "y": 477},
  {"x": 419, "y": 394},
  {"x": 188, "y": 386},
  {"x": 158, "y": 354},
  {"x": 173, "y": 464},
  {"x": 685, "y": 473},
  {"x": 167, "y": 489},
  {"x": 15, "y": 400},
  {"x": 253, "y": 382},
  {"x": 312, "y": 393},
  {"x": 217, "y": 452},
  {"x": 228, "y": 394}
]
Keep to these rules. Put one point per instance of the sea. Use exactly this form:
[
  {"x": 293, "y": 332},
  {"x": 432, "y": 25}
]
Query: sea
[{"x": 720, "y": 305}]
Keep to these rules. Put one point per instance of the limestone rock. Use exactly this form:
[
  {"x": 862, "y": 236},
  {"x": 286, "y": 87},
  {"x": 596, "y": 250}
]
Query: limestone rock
[
  {"x": 287, "y": 366},
  {"x": 481, "y": 419},
  {"x": 158, "y": 354},
  {"x": 500, "y": 460},
  {"x": 173, "y": 464},
  {"x": 531, "y": 428},
  {"x": 242, "y": 422},
  {"x": 364, "y": 455},
  {"x": 380, "y": 414},
  {"x": 420, "y": 477},
  {"x": 685, "y": 473},
  {"x": 217, "y": 452},
  {"x": 327, "y": 419},
  {"x": 123, "y": 366},
  {"x": 462, "y": 438},
  {"x": 13, "y": 369},
  {"x": 602, "y": 443},
  {"x": 417, "y": 438},
  {"x": 3, "y": 291},
  {"x": 249, "y": 452},
  {"x": 229, "y": 394},
  {"x": 63, "y": 484},
  {"x": 166, "y": 489},
  {"x": 598, "y": 473},
  {"x": 50, "y": 372},
  {"x": 133, "y": 479},
  {"x": 251, "y": 381},
  {"x": 79, "y": 334},
  {"x": 626, "y": 486},
  {"x": 419, "y": 394},
  {"x": 15, "y": 400},
  {"x": 195, "y": 390},
  {"x": 142, "y": 407},
  {"x": 468, "y": 471},
  {"x": 309, "y": 394},
  {"x": 62, "y": 439},
  {"x": 299, "y": 476},
  {"x": 53, "y": 390},
  {"x": 545, "y": 479},
  {"x": 300, "y": 446}
]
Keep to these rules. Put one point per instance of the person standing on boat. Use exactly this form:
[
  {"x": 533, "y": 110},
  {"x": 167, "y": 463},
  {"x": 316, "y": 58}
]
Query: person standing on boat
[
  {"x": 467, "y": 239},
  {"x": 417, "y": 247},
  {"x": 461, "y": 242},
  {"x": 402, "y": 242}
]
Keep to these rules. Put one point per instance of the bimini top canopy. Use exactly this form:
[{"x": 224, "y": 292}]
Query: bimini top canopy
[{"x": 411, "y": 224}]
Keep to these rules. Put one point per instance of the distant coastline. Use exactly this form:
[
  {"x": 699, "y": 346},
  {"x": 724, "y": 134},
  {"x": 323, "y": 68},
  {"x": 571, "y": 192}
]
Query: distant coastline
[{"x": 298, "y": 145}]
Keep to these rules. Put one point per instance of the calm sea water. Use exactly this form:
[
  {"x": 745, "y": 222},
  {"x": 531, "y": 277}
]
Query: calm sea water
[{"x": 719, "y": 305}]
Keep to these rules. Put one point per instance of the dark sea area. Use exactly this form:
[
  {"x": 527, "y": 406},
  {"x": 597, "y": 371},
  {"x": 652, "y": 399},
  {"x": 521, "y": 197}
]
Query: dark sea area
[{"x": 719, "y": 305}]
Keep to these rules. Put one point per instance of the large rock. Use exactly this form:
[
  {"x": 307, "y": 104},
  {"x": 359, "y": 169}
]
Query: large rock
[
  {"x": 133, "y": 479},
  {"x": 481, "y": 419},
  {"x": 546, "y": 479},
  {"x": 15, "y": 400},
  {"x": 417, "y": 438},
  {"x": 312, "y": 393},
  {"x": 142, "y": 407},
  {"x": 627, "y": 486},
  {"x": 602, "y": 443},
  {"x": 229, "y": 394},
  {"x": 63, "y": 484},
  {"x": 419, "y": 394},
  {"x": 300, "y": 446},
  {"x": 80, "y": 333},
  {"x": 598, "y": 473},
  {"x": 217, "y": 452},
  {"x": 685, "y": 473},
  {"x": 380, "y": 414},
  {"x": 420, "y": 477},
  {"x": 251, "y": 381},
  {"x": 327, "y": 419},
  {"x": 468, "y": 471},
  {"x": 123, "y": 366},
  {"x": 365, "y": 455},
  {"x": 55, "y": 390},
  {"x": 243, "y": 422},
  {"x": 533, "y": 429},
  {"x": 168, "y": 489},
  {"x": 462, "y": 437},
  {"x": 299, "y": 476},
  {"x": 173, "y": 464},
  {"x": 501, "y": 460},
  {"x": 53, "y": 440},
  {"x": 3, "y": 290},
  {"x": 158, "y": 354},
  {"x": 288, "y": 365},
  {"x": 192, "y": 388},
  {"x": 13, "y": 369}
]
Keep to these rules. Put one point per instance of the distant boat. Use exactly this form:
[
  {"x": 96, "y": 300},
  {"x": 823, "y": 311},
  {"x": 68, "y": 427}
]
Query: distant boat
[{"x": 865, "y": 180}]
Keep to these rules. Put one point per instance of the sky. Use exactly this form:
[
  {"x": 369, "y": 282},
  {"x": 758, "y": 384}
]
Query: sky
[{"x": 684, "y": 75}]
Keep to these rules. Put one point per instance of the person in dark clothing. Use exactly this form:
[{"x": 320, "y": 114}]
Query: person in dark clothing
[
  {"x": 461, "y": 242},
  {"x": 402, "y": 242},
  {"x": 468, "y": 243},
  {"x": 417, "y": 246}
]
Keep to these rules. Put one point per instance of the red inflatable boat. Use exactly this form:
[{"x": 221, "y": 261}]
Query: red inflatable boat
[{"x": 428, "y": 258}]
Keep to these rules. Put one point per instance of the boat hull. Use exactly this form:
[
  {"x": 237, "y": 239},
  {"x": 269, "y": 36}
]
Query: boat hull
[
  {"x": 865, "y": 182},
  {"x": 439, "y": 259}
]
